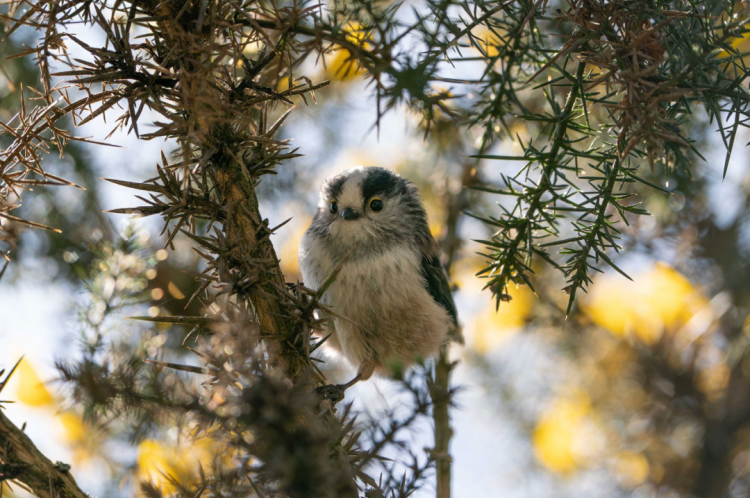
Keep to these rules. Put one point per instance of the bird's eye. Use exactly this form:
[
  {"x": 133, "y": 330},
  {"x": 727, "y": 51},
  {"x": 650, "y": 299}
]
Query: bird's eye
[
  {"x": 334, "y": 207},
  {"x": 376, "y": 204}
]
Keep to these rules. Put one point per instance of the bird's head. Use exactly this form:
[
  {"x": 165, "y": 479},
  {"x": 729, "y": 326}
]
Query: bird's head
[{"x": 370, "y": 207}]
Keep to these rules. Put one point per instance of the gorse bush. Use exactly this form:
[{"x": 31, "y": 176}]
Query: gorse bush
[{"x": 604, "y": 99}]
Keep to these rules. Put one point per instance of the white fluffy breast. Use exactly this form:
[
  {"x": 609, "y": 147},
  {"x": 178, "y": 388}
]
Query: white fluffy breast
[{"x": 385, "y": 311}]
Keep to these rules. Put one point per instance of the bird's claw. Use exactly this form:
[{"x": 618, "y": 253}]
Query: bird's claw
[{"x": 332, "y": 392}]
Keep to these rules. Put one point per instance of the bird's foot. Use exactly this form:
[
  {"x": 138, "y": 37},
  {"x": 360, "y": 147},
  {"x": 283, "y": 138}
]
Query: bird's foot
[{"x": 332, "y": 392}]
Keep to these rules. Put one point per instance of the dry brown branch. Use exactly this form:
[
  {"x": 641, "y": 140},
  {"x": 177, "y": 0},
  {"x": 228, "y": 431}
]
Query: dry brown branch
[{"x": 21, "y": 461}]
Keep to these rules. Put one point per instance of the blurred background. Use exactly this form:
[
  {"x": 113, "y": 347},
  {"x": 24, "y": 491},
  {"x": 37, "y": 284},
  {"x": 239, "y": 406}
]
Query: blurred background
[{"x": 644, "y": 390}]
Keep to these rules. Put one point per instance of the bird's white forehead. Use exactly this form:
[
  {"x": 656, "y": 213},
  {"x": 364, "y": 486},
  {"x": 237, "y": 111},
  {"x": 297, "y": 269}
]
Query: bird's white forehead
[{"x": 351, "y": 191}]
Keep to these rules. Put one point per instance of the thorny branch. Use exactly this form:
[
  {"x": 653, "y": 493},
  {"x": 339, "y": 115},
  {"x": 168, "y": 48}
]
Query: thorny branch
[
  {"x": 629, "y": 103},
  {"x": 22, "y": 462}
]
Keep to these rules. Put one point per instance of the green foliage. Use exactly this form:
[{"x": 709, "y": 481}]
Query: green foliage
[{"x": 638, "y": 70}]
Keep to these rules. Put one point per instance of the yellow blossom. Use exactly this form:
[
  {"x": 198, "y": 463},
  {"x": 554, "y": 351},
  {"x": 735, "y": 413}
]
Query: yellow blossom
[
  {"x": 157, "y": 460},
  {"x": 741, "y": 44},
  {"x": 493, "y": 327},
  {"x": 30, "y": 389},
  {"x": 342, "y": 66},
  {"x": 654, "y": 301},
  {"x": 75, "y": 432},
  {"x": 565, "y": 438},
  {"x": 84, "y": 441},
  {"x": 488, "y": 40},
  {"x": 631, "y": 469}
]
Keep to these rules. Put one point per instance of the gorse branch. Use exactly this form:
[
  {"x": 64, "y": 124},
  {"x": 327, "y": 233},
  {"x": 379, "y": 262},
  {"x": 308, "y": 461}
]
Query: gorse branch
[
  {"x": 630, "y": 102},
  {"x": 22, "y": 463},
  {"x": 515, "y": 252}
]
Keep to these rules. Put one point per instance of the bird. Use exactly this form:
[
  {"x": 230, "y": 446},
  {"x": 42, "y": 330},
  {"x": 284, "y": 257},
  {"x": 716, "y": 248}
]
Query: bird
[{"x": 390, "y": 301}]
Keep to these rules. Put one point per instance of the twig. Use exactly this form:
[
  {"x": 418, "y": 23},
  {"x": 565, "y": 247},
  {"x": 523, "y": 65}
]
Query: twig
[{"x": 21, "y": 461}]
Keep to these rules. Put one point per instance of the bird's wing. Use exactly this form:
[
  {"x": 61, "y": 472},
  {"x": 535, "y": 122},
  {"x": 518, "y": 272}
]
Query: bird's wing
[{"x": 436, "y": 283}]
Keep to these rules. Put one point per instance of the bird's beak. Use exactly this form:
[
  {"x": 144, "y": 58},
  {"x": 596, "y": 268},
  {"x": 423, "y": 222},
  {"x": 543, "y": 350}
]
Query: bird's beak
[{"x": 349, "y": 214}]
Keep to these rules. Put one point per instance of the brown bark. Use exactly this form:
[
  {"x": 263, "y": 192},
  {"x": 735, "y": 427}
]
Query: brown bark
[
  {"x": 21, "y": 461},
  {"x": 243, "y": 229}
]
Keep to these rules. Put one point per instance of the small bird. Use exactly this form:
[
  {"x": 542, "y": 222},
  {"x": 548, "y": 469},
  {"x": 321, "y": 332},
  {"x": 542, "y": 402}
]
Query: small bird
[{"x": 391, "y": 302}]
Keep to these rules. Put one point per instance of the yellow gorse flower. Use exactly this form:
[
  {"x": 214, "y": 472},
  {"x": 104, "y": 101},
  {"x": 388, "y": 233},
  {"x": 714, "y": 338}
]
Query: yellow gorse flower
[
  {"x": 630, "y": 468},
  {"x": 341, "y": 66},
  {"x": 655, "y": 301},
  {"x": 562, "y": 438},
  {"x": 493, "y": 327},
  {"x": 159, "y": 460},
  {"x": 30, "y": 389}
]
